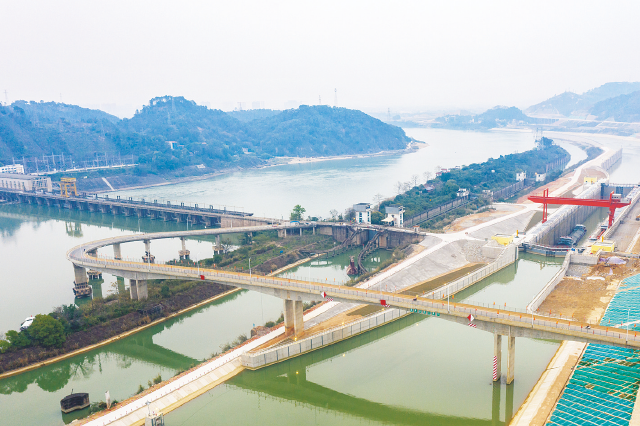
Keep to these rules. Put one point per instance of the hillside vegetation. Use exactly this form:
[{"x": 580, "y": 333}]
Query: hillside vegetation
[
  {"x": 494, "y": 174},
  {"x": 201, "y": 135}
]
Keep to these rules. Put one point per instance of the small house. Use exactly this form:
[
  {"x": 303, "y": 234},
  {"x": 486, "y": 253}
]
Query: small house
[
  {"x": 462, "y": 192},
  {"x": 395, "y": 216},
  {"x": 521, "y": 176},
  {"x": 541, "y": 177},
  {"x": 363, "y": 212}
]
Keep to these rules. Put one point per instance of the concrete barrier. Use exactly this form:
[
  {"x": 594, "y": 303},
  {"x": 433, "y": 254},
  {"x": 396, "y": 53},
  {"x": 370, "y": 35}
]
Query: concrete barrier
[
  {"x": 571, "y": 258},
  {"x": 507, "y": 257},
  {"x": 254, "y": 360}
]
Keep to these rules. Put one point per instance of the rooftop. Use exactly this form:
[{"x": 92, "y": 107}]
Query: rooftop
[{"x": 20, "y": 176}]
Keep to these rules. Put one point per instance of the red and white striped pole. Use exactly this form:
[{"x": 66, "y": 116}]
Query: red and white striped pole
[{"x": 495, "y": 368}]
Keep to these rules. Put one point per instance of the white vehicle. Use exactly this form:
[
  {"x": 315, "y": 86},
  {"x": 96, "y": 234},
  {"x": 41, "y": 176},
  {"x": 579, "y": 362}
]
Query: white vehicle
[{"x": 26, "y": 323}]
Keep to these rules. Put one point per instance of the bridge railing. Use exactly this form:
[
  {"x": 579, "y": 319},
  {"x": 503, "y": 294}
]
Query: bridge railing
[{"x": 374, "y": 296}]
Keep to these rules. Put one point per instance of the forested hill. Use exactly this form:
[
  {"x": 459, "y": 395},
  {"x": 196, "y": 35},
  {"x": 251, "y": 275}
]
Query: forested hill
[
  {"x": 201, "y": 135},
  {"x": 324, "y": 131}
]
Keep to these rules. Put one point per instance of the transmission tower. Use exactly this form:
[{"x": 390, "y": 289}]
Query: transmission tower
[
  {"x": 319, "y": 100},
  {"x": 335, "y": 97},
  {"x": 6, "y": 97}
]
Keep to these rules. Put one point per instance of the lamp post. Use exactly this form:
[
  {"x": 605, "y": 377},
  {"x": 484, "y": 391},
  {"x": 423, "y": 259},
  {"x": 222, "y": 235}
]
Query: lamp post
[{"x": 249, "y": 268}]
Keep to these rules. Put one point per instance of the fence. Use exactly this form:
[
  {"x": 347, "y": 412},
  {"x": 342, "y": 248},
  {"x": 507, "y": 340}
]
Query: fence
[
  {"x": 508, "y": 255},
  {"x": 436, "y": 211},
  {"x": 508, "y": 191},
  {"x": 328, "y": 337}
]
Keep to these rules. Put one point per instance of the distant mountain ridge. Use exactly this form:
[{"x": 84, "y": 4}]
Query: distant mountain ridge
[
  {"x": 569, "y": 104},
  {"x": 201, "y": 135},
  {"x": 623, "y": 108},
  {"x": 499, "y": 116}
]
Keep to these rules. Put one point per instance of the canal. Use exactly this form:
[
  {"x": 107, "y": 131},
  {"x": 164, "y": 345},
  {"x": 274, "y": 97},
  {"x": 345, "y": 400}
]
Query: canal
[{"x": 424, "y": 366}]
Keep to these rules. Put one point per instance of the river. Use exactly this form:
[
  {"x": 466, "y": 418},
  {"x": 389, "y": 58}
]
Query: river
[{"x": 422, "y": 365}]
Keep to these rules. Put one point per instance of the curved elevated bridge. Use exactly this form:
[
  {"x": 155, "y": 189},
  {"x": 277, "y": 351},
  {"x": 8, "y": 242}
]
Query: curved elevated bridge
[{"x": 501, "y": 322}]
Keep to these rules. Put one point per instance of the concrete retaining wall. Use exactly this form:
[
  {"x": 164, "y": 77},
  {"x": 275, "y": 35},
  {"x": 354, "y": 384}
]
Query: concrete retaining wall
[
  {"x": 563, "y": 220},
  {"x": 507, "y": 257},
  {"x": 571, "y": 258},
  {"x": 635, "y": 196},
  {"x": 280, "y": 353}
]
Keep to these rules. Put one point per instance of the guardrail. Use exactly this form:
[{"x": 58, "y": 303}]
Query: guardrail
[{"x": 540, "y": 323}]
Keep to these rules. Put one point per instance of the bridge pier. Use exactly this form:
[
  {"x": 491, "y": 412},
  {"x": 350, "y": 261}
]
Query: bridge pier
[
  {"x": 138, "y": 289},
  {"x": 184, "y": 253},
  {"x": 148, "y": 257},
  {"x": 293, "y": 322},
  {"x": 81, "y": 283},
  {"x": 511, "y": 358},
  {"x": 117, "y": 251},
  {"x": 282, "y": 233},
  {"x": 497, "y": 356}
]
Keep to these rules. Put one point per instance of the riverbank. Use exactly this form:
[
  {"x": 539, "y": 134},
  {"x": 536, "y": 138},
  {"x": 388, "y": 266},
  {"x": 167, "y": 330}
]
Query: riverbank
[
  {"x": 115, "y": 338},
  {"x": 114, "y": 182}
]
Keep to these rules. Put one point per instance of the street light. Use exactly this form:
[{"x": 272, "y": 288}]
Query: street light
[{"x": 249, "y": 268}]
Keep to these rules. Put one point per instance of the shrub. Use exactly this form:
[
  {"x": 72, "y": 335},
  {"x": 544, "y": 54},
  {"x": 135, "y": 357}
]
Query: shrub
[
  {"x": 157, "y": 379},
  {"x": 164, "y": 291},
  {"x": 47, "y": 331},
  {"x": 140, "y": 389},
  {"x": 4, "y": 346},
  {"x": 18, "y": 340}
]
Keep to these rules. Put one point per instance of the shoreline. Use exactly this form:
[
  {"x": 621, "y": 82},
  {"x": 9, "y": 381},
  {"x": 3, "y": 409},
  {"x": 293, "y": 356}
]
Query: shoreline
[
  {"x": 411, "y": 147},
  {"x": 114, "y": 338},
  {"x": 135, "y": 330}
]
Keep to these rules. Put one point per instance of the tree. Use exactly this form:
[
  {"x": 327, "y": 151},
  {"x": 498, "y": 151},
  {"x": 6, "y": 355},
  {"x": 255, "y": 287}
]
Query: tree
[
  {"x": 406, "y": 186},
  {"x": 18, "y": 340},
  {"x": 297, "y": 213},
  {"x": 334, "y": 214},
  {"x": 398, "y": 187},
  {"x": 47, "y": 331},
  {"x": 378, "y": 198},
  {"x": 414, "y": 180},
  {"x": 427, "y": 176}
]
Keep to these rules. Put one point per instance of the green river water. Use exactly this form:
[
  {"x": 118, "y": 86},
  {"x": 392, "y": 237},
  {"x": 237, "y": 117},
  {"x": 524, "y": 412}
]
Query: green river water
[{"x": 417, "y": 370}]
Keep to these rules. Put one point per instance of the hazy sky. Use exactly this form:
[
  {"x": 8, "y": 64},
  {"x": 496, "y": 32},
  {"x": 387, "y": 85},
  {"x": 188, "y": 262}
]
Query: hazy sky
[{"x": 403, "y": 55}]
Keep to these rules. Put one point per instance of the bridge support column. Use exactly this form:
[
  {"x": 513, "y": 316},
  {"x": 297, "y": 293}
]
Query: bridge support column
[
  {"x": 184, "y": 253},
  {"x": 148, "y": 257},
  {"x": 80, "y": 275},
  {"x": 282, "y": 233},
  {"x": 117, "y": 251},
  {"x": 511, "y": 359},
  {"x": 293, "y": 323},
  {"x": 497, "y": 356},
  {"x": 133, "y": 289},
  {"x": 142, "y": 289}
]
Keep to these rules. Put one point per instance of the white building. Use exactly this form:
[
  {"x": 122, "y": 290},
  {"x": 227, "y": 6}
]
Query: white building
[
  {"x": 521, "y": 176},
  {"x": 462, "y": 192},
  {"x": 541, "y": 177},
  {"x": 18, "y": 182},
  {"x": 12, "y": 168},
  {"x": 363, "y": 212},
  {"x": 395, "y": 215}
]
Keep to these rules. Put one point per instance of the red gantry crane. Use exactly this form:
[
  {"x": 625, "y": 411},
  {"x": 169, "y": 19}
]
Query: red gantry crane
[{"x": 614, "y": 202}]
